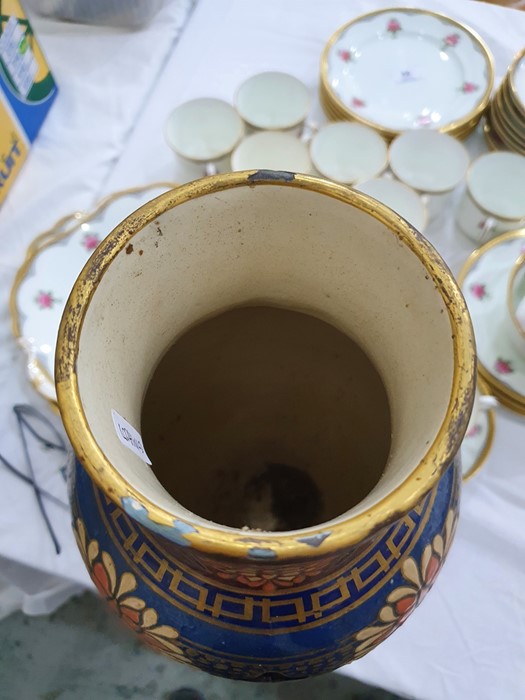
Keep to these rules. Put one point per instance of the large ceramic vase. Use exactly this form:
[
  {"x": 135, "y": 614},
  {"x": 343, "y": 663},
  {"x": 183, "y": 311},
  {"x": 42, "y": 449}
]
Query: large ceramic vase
[{"x": 266, "y": 603}]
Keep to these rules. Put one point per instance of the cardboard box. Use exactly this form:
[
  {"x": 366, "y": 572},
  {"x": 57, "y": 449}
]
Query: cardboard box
[{"x": 27, "y": 91}]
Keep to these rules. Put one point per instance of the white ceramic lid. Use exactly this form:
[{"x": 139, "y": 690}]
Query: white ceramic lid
[
  {"x": 428, "y": 161},
  {"x": 273, "y": 100},
  {"x": 496, "y": 182},
  {"x": 203, "y": 129},
  {"x": 403, "y": 68},
  {"x": 272, "y": 150},
  {"x": 399, "y": 197},
  {"x": 348, "y": 152}
]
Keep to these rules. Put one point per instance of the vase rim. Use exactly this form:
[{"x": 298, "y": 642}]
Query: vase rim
[{"x": 267, "y": 546}]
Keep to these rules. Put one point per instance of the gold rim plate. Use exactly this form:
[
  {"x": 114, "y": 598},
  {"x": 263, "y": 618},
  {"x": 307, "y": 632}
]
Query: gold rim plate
[
  {"x": 38, "y": 375},
  {"x": 505, "y": 394},
  {"x": 336, "y": 109}
]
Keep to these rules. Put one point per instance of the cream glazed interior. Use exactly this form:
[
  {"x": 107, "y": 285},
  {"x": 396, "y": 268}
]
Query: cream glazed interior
[{"x": 279, "y": 245}]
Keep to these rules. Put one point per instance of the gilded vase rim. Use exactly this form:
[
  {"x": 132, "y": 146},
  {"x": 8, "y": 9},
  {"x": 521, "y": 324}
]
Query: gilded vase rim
[{"x": 309, "y": 542}]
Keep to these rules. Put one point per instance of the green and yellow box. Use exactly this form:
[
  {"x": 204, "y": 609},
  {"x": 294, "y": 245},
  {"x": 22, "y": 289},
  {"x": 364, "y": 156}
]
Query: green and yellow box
[{"x": 27, "y": 91}]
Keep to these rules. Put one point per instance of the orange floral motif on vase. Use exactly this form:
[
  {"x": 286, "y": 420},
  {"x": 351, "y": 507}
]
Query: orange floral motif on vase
[
  {"x": 117, "y": 590},
  {"x": 402, "y": 600}
]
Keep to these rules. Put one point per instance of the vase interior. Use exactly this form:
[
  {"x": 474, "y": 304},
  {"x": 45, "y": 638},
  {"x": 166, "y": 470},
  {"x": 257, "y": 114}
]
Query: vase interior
[
  {"x": 266, "y": 418},
  {"x": 296, "y": 274}
]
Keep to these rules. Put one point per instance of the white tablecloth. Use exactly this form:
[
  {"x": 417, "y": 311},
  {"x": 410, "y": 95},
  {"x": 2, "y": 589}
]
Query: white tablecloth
[
  {"x": 104, "y": 77},
  {"x": 467, "y": 640}
]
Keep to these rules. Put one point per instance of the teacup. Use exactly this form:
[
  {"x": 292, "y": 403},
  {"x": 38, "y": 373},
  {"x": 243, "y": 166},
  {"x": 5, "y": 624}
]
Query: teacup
[
  {"x": 272, "y": 150},
  {"x": 399, "y": 197},
  {"x": 430, "y": 162},
  {"x": 204, "y": 132},
  {"x": 482, "y": 402},
  {"x": 273, "y": 101},
  {"x": 348, "y": 152},
  {"x": 494, "y": 200},
  {"x": 516, "y": 304}
]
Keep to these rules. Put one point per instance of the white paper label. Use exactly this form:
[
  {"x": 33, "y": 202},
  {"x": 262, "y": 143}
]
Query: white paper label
[{"x": 129, "y": 436}]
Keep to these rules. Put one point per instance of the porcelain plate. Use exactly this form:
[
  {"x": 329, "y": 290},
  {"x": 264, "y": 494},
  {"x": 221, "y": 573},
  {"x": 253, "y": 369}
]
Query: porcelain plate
[
  {"x": 403, "y": 69},
  {"x": 53, "y": 262}
]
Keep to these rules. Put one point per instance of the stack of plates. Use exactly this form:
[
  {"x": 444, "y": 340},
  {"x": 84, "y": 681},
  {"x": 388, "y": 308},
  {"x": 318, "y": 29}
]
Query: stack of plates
[
  {"x": 505, "y": 121},
  {"x": 398, "y": 69}
]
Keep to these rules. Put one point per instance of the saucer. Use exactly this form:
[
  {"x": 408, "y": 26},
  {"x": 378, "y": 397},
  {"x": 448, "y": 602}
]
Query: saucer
[
  {"x": 509, "y": 118},
  {"x": 477, "y": 442},
  {"x": 506, "y": 112},
  {"x": 52, "y": 263},
  {"x": 493, "y": 140},
  {"x": 483, "y": 280},
  {"x": 400, "y": 68},
  {"x": 506, "y": 133}
]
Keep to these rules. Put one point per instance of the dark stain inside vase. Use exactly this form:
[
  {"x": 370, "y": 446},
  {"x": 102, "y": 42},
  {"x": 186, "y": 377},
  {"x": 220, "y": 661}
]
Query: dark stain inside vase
[{"x": 266, "y": 418}]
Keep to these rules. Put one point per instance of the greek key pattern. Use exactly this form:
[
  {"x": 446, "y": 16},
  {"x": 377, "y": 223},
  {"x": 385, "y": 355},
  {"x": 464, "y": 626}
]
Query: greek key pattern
[{"x": 305, "y": 607}]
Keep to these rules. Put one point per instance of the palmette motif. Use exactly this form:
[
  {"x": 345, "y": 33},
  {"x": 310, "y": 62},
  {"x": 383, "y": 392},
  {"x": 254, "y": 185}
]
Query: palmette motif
[
  {"x": 118, "y": 591},
  {"x": 271, "y": 620}
]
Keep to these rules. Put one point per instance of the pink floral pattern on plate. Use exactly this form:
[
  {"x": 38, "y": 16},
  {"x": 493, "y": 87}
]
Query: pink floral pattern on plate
[
  {"x": 503, "y": 366},
  {"x": 468, "y": 87},
  {"x": 393, "y": 27},
  {"x": 90, "y": 241},
  {"x": 357, "y": 102},
  {"x": 450, "y": 40},
  {"x": 479, "y": 291},
  {"x": 345, "y": 55},
  {"x": 45, "y": 300},
  {"x": 424, "y": 120}
]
